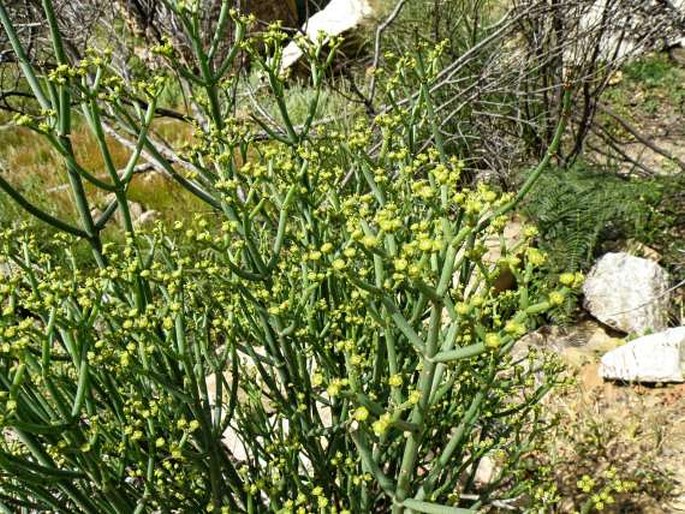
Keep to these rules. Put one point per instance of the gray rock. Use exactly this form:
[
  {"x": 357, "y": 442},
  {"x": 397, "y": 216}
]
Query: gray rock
[
  {"x": 487, "y": 472},
  {"x": 147, "y": 218},
  {"x": 678, "y": 53},
  {"x": 136, "y": 210},
  {"x": 626, "y": 30},
  {"x": 8, "y": 269},
  {"x": 5, "y": 269},
  {"x": 95, "y": 213},
  {"x": 627, "y": 293},
  {"x": 576, "y": 345},
  {"x": 654, "y": 358}
]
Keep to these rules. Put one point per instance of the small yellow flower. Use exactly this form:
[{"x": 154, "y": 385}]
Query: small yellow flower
[
  {"x": 567, "y": 279},
  {"x": 578, "y": 279},
  {"x": 395, "y": 380},
  {"x": 425, "y": 245},
  {"x": 381, "y": 425},
  {"x": 333, "y": 389},
  {"x": 414, "y": 397},
  {"x": 401, "y": 264},
  {"x": 492, "y": 340},
  {"x": 515, "y": 328},
  {"x": 535, "y": 256},
  {"x": 585, "y": 484},
  {"x": 349, "y": 252},
  {"x": 556, "y": 298},
  {"x": 369, "y": 241},
  {"x": 361, "y": 414},
  {"x": 530, "y": 232},
  {"x": 489, "y": 196}
]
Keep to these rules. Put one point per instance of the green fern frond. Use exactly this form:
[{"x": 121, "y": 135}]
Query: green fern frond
[{"x": 577, "y": 209}]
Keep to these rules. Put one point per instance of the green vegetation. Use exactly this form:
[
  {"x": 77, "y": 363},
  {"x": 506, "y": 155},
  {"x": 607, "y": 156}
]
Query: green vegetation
[
  {"x": 579, "y": 209},
  {"x": 341, "y": 304},
  {"x": 315, "y": 323},
  {"x": 584, "y": 211},
  {"x": 657, "y": 77}
]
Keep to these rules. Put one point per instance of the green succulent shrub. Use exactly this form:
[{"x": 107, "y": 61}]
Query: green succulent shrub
[
  {"x": 353, "y": 361},
  {"x": 326, "y": 338}
]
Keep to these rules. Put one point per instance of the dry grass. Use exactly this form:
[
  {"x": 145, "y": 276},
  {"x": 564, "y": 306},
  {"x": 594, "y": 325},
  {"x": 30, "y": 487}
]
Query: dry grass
[
  {"x": 38, "y": 172},
  {"x": 634, "y": 431}
]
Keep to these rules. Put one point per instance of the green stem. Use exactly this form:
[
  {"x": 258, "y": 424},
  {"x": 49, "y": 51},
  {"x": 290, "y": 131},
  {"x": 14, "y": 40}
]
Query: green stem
[
  {"x": 460, "y": 353},
  {"x": 370, "y": 465},
  {"x": 64, "y": 124},
  {"x": 38, "y": 213},
  {"x": 220, "y": 29},
  {"x": 425, "y": 386},
  {"x": 277, "y": 89},
  {"x": 435, "y": 128},
  {"x": 542, "y": 165},
  {"x": 23, "y": 59},
  {"x": 452, "y": 445},
  {"x": 432, "y": 508}
]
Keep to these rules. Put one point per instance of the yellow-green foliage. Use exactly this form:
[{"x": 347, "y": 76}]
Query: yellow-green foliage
[
  {"x": 370, "y": 301},
  {"x": 339, "y": 289}
]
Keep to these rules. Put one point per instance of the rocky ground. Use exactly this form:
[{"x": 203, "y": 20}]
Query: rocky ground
[
  {"x": 636, "y": 426},
  {"x": 638, "y": 429}
]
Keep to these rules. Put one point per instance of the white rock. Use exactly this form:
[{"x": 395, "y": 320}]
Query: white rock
[
  {"x": 487, "y": 471},
  {"x": 6, "y": 269},
  {"x": 231, "y": 440},
  {"x": 337, "y": 17},
  {"x": 136, "y": 210},
  {"x": 622, "y": 29},
  {"x": 654, "y": 358},
  {"x": 628, "y": 293}
]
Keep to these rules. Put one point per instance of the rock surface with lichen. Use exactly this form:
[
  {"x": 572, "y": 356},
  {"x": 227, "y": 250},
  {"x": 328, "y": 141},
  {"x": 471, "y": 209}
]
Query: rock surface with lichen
[{"x": 628, "y": 293}]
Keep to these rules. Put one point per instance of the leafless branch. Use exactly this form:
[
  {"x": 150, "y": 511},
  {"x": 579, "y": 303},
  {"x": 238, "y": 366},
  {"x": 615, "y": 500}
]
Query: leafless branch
[{"x": 640, "y": 137}]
